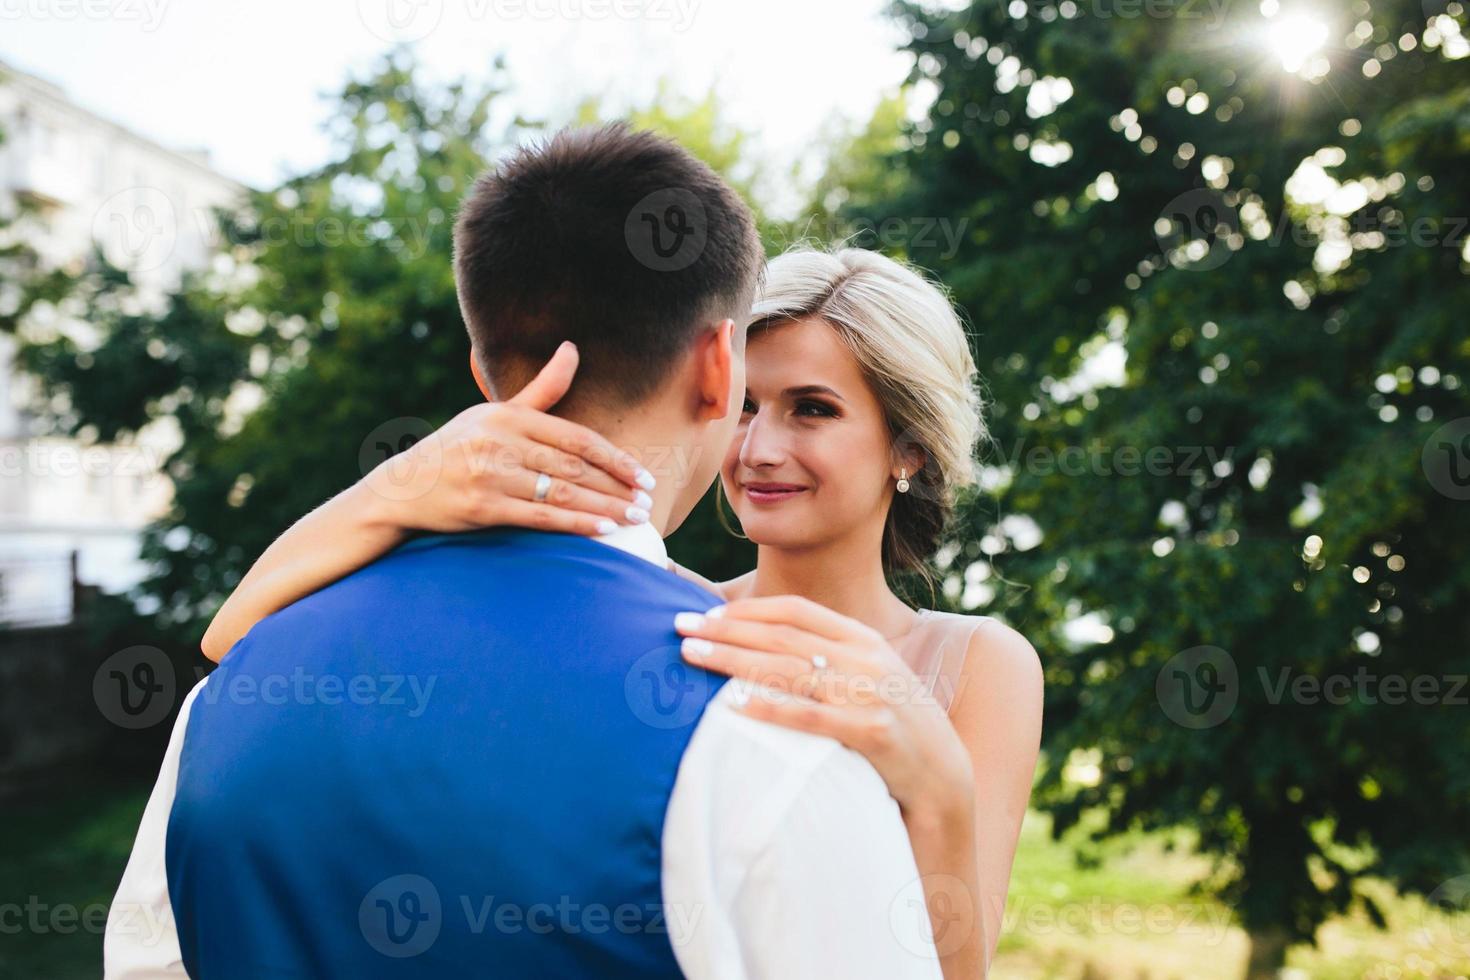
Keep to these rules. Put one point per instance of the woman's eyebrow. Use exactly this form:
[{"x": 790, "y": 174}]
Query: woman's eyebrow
[{"x": 801, "y": 390}]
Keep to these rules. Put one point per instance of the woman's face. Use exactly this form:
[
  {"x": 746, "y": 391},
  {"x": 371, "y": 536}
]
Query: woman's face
[{"x": 811, "y": 459}]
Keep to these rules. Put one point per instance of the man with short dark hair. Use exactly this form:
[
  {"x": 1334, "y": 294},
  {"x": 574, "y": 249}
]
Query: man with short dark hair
[
  {"x": 614, "y": 239},
  {"x": 568, "y": 798}
]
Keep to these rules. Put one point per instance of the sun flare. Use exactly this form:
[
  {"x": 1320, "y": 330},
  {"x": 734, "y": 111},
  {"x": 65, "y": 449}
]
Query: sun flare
[{"x": 1295, "y": 38}]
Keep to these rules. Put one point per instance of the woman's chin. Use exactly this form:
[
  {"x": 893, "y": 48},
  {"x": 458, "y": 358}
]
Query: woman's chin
[{"x": 773, "y": 530}]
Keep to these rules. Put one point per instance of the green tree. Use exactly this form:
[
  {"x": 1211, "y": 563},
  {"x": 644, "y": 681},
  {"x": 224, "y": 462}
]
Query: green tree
[
  {"x": 1269, "y": 243},
  {"x": 858, "y": 176}
]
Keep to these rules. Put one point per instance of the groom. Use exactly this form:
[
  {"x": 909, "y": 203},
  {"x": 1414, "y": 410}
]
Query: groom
[{"x": 569, "y": 798}]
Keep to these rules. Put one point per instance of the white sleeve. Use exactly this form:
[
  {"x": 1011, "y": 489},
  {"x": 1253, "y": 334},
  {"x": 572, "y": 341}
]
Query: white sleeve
[
  {"x": 141, "y": 941},
  {"x": 836, "y": 892},
  {"x": 785, "y": 856}
]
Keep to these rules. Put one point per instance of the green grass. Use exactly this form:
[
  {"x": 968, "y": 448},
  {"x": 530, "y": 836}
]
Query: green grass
[
  {"x": 59, "y": 864},
  {"x": 1131, "y": 917},
  {"x": 1134, "y": 916}
]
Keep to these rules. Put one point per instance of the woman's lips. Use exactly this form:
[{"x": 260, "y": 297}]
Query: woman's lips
[{"x": 772, "y": 493}]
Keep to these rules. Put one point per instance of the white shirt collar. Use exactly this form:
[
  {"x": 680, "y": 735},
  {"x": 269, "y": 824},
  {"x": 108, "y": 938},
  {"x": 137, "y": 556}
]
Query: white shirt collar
[{"x": 642, "y": 540}]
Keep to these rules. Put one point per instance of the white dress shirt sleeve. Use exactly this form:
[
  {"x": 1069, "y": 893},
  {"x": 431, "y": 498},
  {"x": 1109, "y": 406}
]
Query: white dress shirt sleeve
[
  {"x": 786, "y": 858},
  {"x": 142, "y": 941}
]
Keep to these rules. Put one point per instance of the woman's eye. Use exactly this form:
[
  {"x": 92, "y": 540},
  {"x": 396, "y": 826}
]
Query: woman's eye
[
  {"x": 813, "y": 409},
  {"x": 748, "y": 407}
]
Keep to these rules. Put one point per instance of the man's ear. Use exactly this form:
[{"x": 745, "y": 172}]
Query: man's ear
[
  {"x": 715, "y": 363},
  {"x": 479, "y": 381}
]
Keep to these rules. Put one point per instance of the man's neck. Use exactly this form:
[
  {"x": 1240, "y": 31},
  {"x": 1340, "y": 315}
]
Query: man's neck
[{"x": 665, "y": 453}]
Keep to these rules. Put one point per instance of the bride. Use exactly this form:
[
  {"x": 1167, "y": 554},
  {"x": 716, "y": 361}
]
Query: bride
[{"x": 859, "y": 424}]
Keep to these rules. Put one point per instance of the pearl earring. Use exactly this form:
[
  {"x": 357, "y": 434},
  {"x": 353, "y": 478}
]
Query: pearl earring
[{"x": 903, "y": 481}]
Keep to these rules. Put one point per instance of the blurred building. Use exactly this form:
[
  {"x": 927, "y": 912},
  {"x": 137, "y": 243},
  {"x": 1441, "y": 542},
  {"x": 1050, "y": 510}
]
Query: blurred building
[{"x": 72, "y": 182}]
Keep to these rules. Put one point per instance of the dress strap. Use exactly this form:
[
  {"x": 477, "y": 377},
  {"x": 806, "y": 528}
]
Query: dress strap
[{"x": 936, "y": 650}]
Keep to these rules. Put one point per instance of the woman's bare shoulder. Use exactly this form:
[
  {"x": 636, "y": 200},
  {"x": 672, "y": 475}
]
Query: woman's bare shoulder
[
  {"x": 991, "y": 638},
  {"x": 990, "y": 645},
  {"x": 735, "y": 588},
  {"x": 999, "y": 682},
  {"x": 738, "y": 587},
  {"x": 1001, "y": 661}
]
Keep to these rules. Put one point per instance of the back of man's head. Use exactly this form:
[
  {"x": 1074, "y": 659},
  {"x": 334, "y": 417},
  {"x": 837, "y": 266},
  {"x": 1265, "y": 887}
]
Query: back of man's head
[{"x": 618, "y": 240}]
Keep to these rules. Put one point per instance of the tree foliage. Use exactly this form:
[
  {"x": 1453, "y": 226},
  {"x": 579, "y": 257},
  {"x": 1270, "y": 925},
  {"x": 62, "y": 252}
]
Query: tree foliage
[{"x": 1276, "y": 263}]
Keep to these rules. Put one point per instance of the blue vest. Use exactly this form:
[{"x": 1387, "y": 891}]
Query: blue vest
[{"x": 454, "y": 762}]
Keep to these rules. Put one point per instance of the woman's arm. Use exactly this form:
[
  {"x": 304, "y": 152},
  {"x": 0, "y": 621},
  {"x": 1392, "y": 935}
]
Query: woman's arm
[
  {"x": 997, "y": 714},
  {"x": 479, "y": 470},
  {"x": 341, "y": 536}
]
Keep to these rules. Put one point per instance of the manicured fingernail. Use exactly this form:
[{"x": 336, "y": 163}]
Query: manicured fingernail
[
  {"x": 643, "y": 501},
  {"x": 688, "y": 621},
  {"x": 715, "y": 613},
  {"x": 645, "y": 479},
  {"x": 637, "y": 515},
  {"x": 697, "y": 646},
  {"x": 606, "y": 526}
]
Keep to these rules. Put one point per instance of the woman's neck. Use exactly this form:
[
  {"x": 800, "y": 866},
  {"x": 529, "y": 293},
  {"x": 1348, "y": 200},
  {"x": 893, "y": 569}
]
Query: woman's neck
[{"x": 845, "y": 575}]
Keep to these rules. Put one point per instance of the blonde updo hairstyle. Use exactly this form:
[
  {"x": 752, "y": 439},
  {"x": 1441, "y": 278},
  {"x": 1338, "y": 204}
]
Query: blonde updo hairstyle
[{"x": 913, "y": 351}]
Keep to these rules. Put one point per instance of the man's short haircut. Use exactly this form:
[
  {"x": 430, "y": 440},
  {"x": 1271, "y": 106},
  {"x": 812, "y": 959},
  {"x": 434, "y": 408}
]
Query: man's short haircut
[{"x": 618, "y": 240}]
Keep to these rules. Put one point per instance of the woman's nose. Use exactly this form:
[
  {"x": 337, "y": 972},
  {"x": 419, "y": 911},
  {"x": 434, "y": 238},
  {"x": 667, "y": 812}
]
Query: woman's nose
[{"x": 762, "y": 444}]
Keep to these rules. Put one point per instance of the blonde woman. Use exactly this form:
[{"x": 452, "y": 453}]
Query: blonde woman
[{"x": 859, "y": 424}]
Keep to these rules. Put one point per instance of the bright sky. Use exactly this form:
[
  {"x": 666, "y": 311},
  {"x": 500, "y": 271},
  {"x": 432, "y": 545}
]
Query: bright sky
[{"x": 244, "y": 79}]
